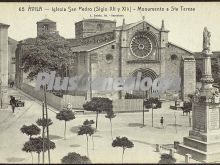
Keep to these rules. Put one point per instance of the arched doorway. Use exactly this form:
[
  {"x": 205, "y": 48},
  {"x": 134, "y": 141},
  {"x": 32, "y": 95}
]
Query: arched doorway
[{"x": 144, "y": 73}]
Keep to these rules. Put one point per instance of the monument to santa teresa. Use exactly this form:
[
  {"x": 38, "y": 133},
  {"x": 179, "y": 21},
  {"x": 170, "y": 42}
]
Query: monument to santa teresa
[{"x": 203, "y": 142}]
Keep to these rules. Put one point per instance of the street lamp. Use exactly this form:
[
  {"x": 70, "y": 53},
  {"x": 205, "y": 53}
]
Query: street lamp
[{"x": 153, "y": 106}]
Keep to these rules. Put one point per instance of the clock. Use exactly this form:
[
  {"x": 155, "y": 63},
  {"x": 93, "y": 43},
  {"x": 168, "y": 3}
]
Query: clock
[{"x": 141, "y": 45}]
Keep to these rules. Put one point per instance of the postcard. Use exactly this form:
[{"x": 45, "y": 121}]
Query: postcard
[{"x": 109, "y": 82}]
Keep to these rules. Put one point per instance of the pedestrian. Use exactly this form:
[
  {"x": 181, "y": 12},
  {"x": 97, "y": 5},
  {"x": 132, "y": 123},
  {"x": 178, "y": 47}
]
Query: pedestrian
[
  {"x": 11, "y": 84},
  {"x": 13, "y": 103},
  {"x": 161, "y": 122}
]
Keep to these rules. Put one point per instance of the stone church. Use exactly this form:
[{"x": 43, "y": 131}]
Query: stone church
[{"x": 105, "y": 50}]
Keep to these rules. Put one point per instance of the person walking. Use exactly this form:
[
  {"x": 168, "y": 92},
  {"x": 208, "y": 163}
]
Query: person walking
[
  {"x": 12, "y": 103},
  {"x": 11, "y": 84},
  {"x": 161, "y": 122}
]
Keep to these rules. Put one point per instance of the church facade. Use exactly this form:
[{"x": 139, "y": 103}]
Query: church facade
[{"x": 104, "y": 50}]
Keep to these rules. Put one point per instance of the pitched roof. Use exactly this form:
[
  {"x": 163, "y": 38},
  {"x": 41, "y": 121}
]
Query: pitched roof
[
  {"x": 180, "y": 47},
  {"x": 46, "y": 21},
  {"x": 128, "y": 26},
  {"x": 90, "y": 47},
  {"x": 12, "y": 41}
]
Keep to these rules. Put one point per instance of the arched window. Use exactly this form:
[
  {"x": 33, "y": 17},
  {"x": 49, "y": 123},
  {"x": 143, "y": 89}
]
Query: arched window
[{"x": 173, "y": 57}]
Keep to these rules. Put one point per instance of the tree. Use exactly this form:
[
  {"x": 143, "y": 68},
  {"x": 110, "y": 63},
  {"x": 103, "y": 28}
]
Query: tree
[
  {"x": 110, "y": 115},
  {"x": 44, "y": 122},
  {"x": 153, "y": 103},
  {"x": 75, "y": 158},
  {"x": 124, "y": 143},
  {"x": 30, "y": 130},
  {"x": 98, "y": 104},
  {"x": 88, "y": 131},
  {"x": 90, "y": 122},
  {"x": 65, "y": 115},
  {"x": 36, "y": 145},
  {"x": 167, "y": 159},
  {"x": 45, "y": 52},
  {"x": 215, "y": 70}
]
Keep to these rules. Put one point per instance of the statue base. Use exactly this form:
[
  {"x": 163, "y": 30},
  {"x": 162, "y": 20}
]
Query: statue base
[
  {"x": 203, "y": 142},
  {"x": 202, "y": 150}
]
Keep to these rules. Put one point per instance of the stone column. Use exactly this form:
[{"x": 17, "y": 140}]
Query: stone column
[{"x": 4, "y": 64}]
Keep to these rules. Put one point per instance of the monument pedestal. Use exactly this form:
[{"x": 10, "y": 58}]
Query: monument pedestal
[
  {"x": 201, "y": 149},
  {"x": 203, "y": 142}
]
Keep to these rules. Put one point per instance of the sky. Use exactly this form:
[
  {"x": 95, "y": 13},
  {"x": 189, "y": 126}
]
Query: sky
[{"x": 186, "y": 27}]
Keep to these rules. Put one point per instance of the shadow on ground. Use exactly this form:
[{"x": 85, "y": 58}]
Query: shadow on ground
[
  {"x": 75, "y": 145},
  {"x": 98, "y": 136},
  {"x": 75, "y": 129},
  {"x": 175, "y": 125},
  {"x": 143, "y": 142},
  {"x": 14, "y": 159},
  {"x": 135, "y": 125},
  {"x": 55, "y": 137}
]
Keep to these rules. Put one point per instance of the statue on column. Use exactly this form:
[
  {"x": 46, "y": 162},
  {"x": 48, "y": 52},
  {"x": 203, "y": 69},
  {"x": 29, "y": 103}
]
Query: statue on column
[{"x": 206, "y": 39}]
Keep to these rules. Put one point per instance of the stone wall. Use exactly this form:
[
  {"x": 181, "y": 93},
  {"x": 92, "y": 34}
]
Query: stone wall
[
  {"x": 76, "y": 101},
  {"x": 87, "y": 28},
  {"x": 122, "y": 105},
  {"x": 188, "y": 78},
  {"x": 128, "y": 105},
  {"x": 52, "y": 100}
]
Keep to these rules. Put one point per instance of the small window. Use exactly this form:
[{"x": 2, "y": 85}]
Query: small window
[
  {"x": 173, "y": 57},
  {"x": 13, "y": 60},
  {"x": 148, "y": 28},
  {"x": 109, "y": 58},
  {"x": 45, "y": 27},
  {"x": 113, "y": 46}
]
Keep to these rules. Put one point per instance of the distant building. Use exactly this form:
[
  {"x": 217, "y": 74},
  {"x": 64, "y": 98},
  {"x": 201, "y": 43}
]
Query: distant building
[
  {"x": 7, "y": 70},
  {"x": 11, "y": 48},
  {"x": 46, "y": 26}
]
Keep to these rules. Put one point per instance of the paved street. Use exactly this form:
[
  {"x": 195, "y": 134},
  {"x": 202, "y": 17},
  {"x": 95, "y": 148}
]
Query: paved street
[{"x": 125, "y": 124}]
